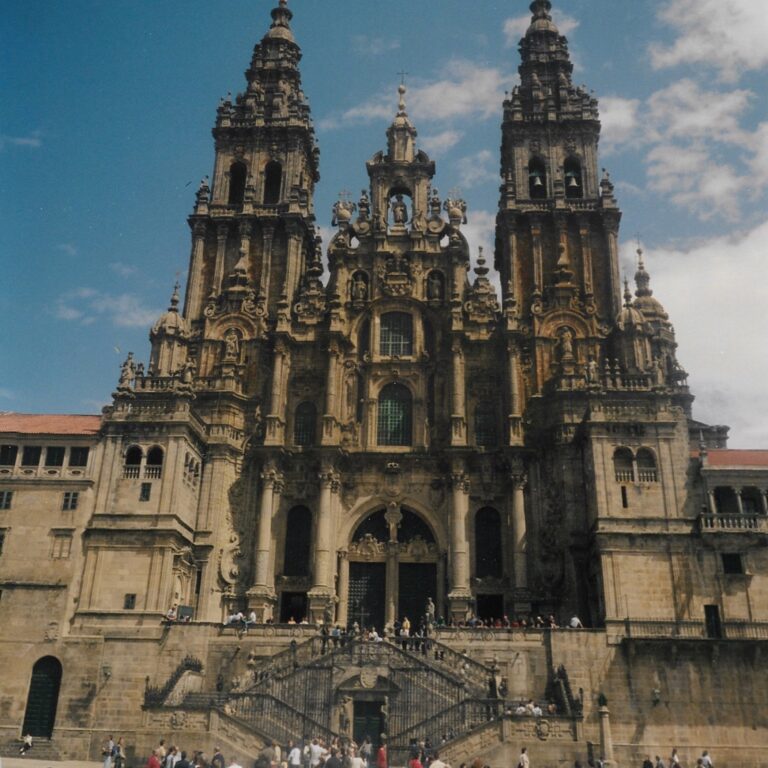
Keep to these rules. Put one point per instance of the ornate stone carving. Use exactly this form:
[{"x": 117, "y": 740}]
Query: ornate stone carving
[
  {"x": 395, "y": 276},
  {"x": 482, "y": 306},
  {"x": 367, "y": 548}
]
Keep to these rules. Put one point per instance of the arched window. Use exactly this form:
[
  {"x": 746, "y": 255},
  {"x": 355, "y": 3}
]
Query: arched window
[
  {"x": 410, "y": 527},
  {"x": 273, "y": 181},
  {"x": 154, "y": 466},
  {"x": 623, "y": 465},
  {"x": 394, "y": 425},
  {"x": 304, "y": 422},
  {"x": 646, "y": 466},
  {"x": 132, "y": 464},
  {"x": 43, "y": 698},
  {"x": 537, "y": 179},
  {"x": 488, "y": 543},
  {"x": 574, "y": 184},
  {"x": 298, "y": 538},
  {"x": 237, "y": 176},
  {"x": 485, "y": 425},
  {"x": 396, "y": 334}
]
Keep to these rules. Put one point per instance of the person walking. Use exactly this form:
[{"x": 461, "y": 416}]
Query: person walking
[
  {"x": 107, "y": 752},
  {"x": 26, "y": 745},
  {"x": 523, "y": 761}
]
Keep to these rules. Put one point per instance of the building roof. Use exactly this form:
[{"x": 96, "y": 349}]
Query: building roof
[
  {"x": 49, "y": 423},
  {"x": 736, "y": 458}
]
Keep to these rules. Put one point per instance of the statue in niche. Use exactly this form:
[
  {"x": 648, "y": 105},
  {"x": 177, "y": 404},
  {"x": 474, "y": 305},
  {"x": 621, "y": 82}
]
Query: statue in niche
[
  {"x": 566, "y": 344},
  {"x": 349, "y": 391},
  {"x": 364, "y": 205},
  {"x": 399, "y": 210},
  {"x": 418, "y": 222},
  {"x": 434, "y": 286},
  {"x": 434, "y": 203},
  {"x": 231, "y": 346},
  {"x": 385, "y": 715},
  {"x": 359, "y": 288},
  {"x": 592, "y": 371}
]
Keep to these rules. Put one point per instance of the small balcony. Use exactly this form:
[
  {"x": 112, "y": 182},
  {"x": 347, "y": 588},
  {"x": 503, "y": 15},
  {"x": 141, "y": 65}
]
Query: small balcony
[{"x": 734, "y": 523}]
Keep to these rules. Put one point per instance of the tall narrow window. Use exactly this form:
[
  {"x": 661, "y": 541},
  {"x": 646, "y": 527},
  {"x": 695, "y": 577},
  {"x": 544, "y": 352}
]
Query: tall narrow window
[
  {"x": 622, "y": 465},
  {"x": 132, "y": 464},
  {"x": 304, "y": 423},
  {"x": 237, "y": 176},
  {"x": 396, "y": 334},
  {"x": 395, "y": 416},
  {"x": 30, "y": 456},
  {"x": 488, "y": 543},
  {"x": 78, "y": 456},
  {"x": 54, "y": 456},
  {"x": 364, "y": 338},
  {"x": 298, "y": 537},
  {"x": 273, "y": 181},
  {"x": 537, "y": 179},
  {"x": 485, "y": 425},
  {"x": 70, "y": 501},
  {"x": 574, "y": 185},
  {"x": 6, "y": 499}
]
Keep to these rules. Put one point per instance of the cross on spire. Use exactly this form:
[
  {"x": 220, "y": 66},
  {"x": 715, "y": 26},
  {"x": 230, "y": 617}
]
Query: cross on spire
[
  {"x": 344, "y": 195},
  {"x": 402, "y": 76}
]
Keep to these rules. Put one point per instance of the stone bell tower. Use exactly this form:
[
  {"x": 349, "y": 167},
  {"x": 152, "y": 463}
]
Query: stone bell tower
[{"x": 558, "y": 222}]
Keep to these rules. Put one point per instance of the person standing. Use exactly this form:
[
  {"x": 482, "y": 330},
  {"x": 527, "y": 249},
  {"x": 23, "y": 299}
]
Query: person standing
[
  {"x": 674, "y": 760},
  {"x": 294, "y": 755},
  {"x": 154, "y": 760},
  {"x": 523, "y": 761},
  {"x": 118, "y": 753},
  {"x": 26, "y": 744},
  {"x": 706, "y": 760},
  {"x": 217, "y": 761},
  {"x": 381, "y": 755},
  {"x": 106, "y": 753}
]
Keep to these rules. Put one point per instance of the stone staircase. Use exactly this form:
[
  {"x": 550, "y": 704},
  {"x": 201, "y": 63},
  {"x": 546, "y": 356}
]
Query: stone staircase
[{"x": 42, "y": 749}]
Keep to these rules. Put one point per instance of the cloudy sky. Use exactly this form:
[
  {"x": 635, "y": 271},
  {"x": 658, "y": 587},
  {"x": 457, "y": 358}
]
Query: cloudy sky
[{"x": 105, "y": 133}]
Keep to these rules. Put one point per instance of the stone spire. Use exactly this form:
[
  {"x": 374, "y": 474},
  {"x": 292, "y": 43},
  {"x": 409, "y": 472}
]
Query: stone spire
[
  {"x": 645, "y": 301},
  {"x": 401, "y": 135}
]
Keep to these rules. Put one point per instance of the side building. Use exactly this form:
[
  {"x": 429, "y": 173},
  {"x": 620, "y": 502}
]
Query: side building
[{"x": 392, "y": 440}]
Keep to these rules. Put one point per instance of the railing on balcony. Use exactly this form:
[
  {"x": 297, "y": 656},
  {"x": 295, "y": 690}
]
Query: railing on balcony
[
  {"x": 733, "y": 522},
  {"x": 662, "y": 629},
  {"x": 647, "y": 475},
  {"x": 153, "y": 471},
  {"x": 625, "y": 476},
  {"x": 131, "y": 471}
]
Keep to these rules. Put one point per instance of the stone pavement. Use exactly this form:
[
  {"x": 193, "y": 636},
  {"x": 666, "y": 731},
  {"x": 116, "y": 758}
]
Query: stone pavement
[{"x": 30, "y": 762}]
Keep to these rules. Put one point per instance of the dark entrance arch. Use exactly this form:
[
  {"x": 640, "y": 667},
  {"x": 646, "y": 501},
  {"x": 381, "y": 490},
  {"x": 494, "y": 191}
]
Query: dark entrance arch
[{"x": 43, "y": 698}]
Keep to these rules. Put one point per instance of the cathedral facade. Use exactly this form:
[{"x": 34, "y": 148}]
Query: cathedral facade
[{"x": 342, "y": 449}]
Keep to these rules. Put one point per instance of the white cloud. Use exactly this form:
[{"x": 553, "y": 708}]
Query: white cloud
[
  {"x": 373, "y": 46},
  {"x": 685, "y": 110},
  {"x": 69, "y": 248},
  {"x": 7, "y": 394},
  {"x": 716, "y": 328},
  {"x": 468, "y": 90},
  {"x": 691, "y": 178},
  {"x": 619, "y": 118},
  {"x": 124, "y": 270},
  {"x": 727, "y": 36},
  {"x": 32, "y": 141},
  {"x": 86, "y": 305},
  {"x": 438, "y": 143},
  {"x": 477, "y": 168},
  {"x": 516, "y": 27}
]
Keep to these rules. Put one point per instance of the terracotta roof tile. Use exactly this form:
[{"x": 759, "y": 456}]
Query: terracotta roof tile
[
  {"x": 49, "y": 424},
  {"x": 735, "y": 458}
]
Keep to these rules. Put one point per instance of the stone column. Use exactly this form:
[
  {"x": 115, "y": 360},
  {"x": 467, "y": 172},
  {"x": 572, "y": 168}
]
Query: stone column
[
  {"x": 712, "y": 502},
  {"x": 612, "y": 230},
  {"x": 221, "y": 255},
  {"x": 515, "y": 411},
  {"x": 606, "y": 739},
  {"x": 392, "y": 584},
  {"x": 261, "y": 596},
  {"x": 342, "y": 589},
  {"x": 519, "y": 541},
  {"x": 460, "y": 595},
  {"x": 331, "y": 395},
  {"x": 275, "y": 420},
  {"x": 458, "y": 400},
  {"x": 245, "y": 245},
  {"x": 739, "y": 502},
  {"x": 268, "y": 233},
  {"x": 193, "y": 299},
  {"x": 538, "y": 264},
  {"x": 764, "y": 501},
  {"x": 322, "y": 593},
  {"x": 586, "y": 255}
]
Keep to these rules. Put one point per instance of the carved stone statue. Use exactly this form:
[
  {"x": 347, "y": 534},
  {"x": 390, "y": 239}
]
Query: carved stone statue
[
  {"x": 592, "y": 372},
  {"x": 434, "y": 286},
  {"x": 231, "y": 345},
  {"x": 127, "y": 372},
  {"x": 385, "y": 715},
  {"x": 566, "y": 344},
  {"x": 359, "y": 288},
  {"x": 430, "y": 611},
  {"x": 399, "y": 211}
]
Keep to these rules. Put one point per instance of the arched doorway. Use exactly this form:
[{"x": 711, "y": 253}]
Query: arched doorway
[
  {"x": 43, "y": 698},
  {"x": 393, "y": 569}
]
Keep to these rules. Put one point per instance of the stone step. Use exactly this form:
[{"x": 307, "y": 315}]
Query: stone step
[{"x": 42, "y": 749}]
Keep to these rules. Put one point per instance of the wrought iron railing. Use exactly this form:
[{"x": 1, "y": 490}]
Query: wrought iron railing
[
  {"x": 445, "y": 726},
  {"x": 275, "y": 718},
  {"x": 156, "y": 696}
]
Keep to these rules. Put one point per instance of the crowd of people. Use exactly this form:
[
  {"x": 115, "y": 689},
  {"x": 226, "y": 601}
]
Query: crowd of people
[{"x": 705, "y": 761}]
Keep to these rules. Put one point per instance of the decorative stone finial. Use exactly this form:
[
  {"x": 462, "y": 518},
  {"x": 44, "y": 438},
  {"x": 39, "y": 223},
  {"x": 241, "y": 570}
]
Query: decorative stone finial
[
  {"x": 642, "y": 278},
  {"x": 481, "y": 270},
  {"x": 627, "y": 294},
  {"x": 402, "y": 90},
  {"x": 174, "y": 307}
]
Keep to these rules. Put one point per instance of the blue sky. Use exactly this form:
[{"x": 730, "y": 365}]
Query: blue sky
[{"x": 105, "y": 134}]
